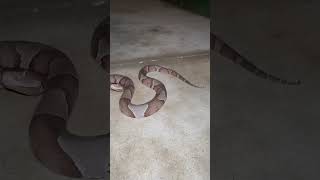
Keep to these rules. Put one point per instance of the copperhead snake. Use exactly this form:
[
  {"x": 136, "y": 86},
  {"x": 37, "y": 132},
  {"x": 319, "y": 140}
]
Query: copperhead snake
[
  {"x": 124, "y": 84},
  {"x": 33, "y": 69}
]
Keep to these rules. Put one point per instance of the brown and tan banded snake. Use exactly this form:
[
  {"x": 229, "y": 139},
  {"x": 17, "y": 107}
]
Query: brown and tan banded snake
[
  {"x": 125, "y": 84},
  {"x": 33, "y": 69},
  {"x": 120, "y": 83}
]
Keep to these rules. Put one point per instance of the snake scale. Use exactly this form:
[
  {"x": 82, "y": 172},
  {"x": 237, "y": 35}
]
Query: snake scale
[{"x": 33, "y": 69}]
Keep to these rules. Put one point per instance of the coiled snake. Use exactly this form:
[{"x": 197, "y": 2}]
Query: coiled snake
[
  {"x": 33, "y": 69},
  {"x": 125, "y": 85}
]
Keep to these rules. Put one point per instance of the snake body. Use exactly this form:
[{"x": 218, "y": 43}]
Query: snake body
[
  {"x": 33, "y": 69},
  {"x": 218, "y": 46},
  {"x": 99, "y": 51},
  {"x": 125, "y": 84}
]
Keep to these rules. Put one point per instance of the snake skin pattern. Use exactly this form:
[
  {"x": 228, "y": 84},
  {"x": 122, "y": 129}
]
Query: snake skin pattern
[
  {"x": 125, "y": 84},
  {"x": 33, "y": 69},
  {"x": 120, "y": 83},
  {"x": 221, "y": 48}
]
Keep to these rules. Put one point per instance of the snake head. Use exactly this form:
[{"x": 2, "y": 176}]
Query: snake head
[{"x": 116, "y": 87}]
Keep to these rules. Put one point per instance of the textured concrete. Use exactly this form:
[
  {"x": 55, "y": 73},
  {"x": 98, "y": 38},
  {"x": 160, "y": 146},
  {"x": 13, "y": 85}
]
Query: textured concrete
[
  {"x": 151, "y": 28},
  {"x": 172, "y": 144},
  {"x": 263, "y": 130}
]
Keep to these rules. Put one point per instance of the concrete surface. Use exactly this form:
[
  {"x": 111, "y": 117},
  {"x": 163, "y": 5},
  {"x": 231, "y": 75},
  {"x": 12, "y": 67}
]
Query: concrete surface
[
  {"x": 263, "y": 130},
  {"x": 172, "y": 144},
  {"x": 68, "y": 29},
  {"x": 151, "y": 28}
]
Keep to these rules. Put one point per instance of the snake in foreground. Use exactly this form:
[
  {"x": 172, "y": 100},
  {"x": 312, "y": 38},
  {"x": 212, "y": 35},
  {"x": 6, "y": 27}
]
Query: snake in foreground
[{"x": 33, "y": 69}]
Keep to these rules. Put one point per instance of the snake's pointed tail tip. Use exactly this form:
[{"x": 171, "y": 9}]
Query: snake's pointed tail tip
[
  {"x": 296, "y": 83},
  {"x": 200, "y": 87}
]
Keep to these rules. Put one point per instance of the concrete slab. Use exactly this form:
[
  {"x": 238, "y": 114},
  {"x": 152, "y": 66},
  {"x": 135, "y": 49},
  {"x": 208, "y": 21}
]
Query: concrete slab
[
  {"x": 152, "y": 28},
  {"x": 173, "y": 143}
]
